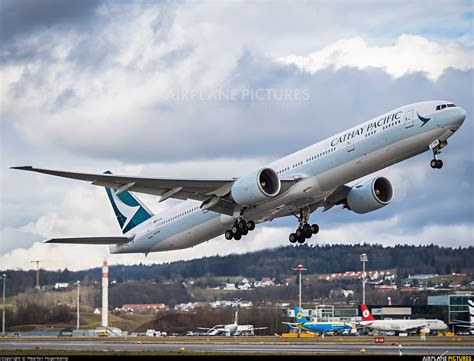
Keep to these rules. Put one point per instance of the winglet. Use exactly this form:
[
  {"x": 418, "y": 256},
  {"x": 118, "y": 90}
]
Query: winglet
[{"x": 25, "y": 167}]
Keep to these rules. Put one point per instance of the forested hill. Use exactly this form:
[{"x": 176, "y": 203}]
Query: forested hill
[{"x": 274, "y": 263}]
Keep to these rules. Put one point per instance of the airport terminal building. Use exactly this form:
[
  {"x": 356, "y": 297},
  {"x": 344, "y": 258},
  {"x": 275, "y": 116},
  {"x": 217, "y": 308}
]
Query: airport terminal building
[{"x": 454, "y": 307}]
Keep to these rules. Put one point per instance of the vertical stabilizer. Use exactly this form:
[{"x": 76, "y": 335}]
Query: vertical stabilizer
[
  {"x": 470, "y": 304},
  {"x": 129, "y": 210},
  {"x": 299, "y": 318},
  {"x": 366, "y": 315}
]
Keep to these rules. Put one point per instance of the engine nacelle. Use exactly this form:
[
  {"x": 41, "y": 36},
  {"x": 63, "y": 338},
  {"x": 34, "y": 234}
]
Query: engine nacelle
[
  {"x": 256, "y": 187},
  {"x": 425, "y": 330},
  {"x": 370, "y": 195}
]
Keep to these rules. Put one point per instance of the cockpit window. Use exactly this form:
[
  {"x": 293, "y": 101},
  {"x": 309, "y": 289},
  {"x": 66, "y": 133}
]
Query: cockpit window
[{"x": 442, "y": 106}]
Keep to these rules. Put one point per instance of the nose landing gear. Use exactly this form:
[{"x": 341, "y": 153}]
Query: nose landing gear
[
  {"x": 436, "y": 163},
  {"x": 436, "y": 147}
]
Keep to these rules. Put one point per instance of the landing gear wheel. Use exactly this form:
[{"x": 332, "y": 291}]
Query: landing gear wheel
[
  {"x": 314, "y": 229},
  {"x": 235, "y": 229},
  {"x": 293, "y": 238},
  {"x": 434, "y": 163},
  {"x": 251, "y": 225},
  {"x": 307, "y": 230},
  {"x": 237, "y": 236},
  {"x": 299, "y": 233},
  {"x": 242, "y": 224},
  {"x": 301, "y": 240},
  {"x": 229, "y": 235},
  {"x": 244, "y": 232},
  {"x": 439, "y": 163}
]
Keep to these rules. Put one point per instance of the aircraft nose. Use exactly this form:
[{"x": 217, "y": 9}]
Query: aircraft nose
[
  {"x": 460, "y": 116},
  {"x": 455, "y": 118}
]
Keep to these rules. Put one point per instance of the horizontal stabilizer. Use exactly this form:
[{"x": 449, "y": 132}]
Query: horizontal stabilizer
[{"x": 91, "y": 240}]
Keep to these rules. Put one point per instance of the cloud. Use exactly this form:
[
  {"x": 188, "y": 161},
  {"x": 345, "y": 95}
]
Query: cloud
[
  {"x": 408, "y": 54},
  {"x": 24, "y": 17},
  {"x": 12, "y": 238}
]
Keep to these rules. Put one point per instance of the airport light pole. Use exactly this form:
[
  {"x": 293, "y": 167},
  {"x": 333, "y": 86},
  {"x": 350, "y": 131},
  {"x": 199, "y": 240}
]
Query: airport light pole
[
  {"x": 78, "y": 299},
  {"x": 300, "y": 269},
  {"x": 4, "y": 276},
  {"x": 363, "y": 259}
]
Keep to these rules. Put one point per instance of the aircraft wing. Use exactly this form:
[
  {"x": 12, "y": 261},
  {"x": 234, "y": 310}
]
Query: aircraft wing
[
  {"x": 92, "y": 240},
  {"x": 213, "y": 192},
  {"x": 293, "y": 324}
]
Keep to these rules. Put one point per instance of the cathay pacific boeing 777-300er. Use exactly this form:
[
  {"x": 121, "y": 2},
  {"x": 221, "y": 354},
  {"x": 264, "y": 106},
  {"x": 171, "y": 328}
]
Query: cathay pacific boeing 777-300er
[{"x": 298, "y": 184}]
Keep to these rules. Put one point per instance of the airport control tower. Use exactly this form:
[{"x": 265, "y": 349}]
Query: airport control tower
[{"x": 105, "y": 295}]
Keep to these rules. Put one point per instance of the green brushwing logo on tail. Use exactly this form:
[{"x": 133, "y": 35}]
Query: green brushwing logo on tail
[
  {"x": 130, "y": 212},
  {"x": 423, "y": 119}
]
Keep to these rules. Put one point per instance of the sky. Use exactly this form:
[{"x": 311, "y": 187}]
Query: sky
[{"x": 217, "y": 89}]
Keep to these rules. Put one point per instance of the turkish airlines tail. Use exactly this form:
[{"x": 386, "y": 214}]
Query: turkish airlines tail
[{"x": 366, "y": 315}]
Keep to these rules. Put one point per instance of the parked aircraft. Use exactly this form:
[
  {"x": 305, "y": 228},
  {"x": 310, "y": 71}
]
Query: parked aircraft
[
  {"x": 420, "y": 325},
  {"x": 232, "y": 329},
  {"x": 302, "y": 323},
  {"x": 298, "y": 184}
]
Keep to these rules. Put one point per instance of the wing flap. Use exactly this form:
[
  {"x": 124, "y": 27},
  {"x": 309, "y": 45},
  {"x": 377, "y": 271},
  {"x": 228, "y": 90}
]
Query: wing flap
[{"x": 112, "y": 240}]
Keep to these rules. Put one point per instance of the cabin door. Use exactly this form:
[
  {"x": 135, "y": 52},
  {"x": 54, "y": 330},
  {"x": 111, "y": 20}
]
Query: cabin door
[
  {"x": 409, "y": 122},
  {"x": 350, "y": 145}
]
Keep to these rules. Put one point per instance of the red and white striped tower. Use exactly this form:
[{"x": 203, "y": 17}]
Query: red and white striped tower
[{"x": 105, "y": 294}]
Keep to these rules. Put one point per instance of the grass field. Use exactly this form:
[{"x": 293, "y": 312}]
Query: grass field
[{"x": 91, "y": 321}]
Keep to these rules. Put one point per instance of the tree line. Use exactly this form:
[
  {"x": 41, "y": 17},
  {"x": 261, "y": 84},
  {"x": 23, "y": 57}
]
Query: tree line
[{"x": 279, "y": 262}]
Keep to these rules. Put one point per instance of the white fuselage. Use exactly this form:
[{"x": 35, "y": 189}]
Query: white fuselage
[
  {"x": 322, "y": 167},
  {"x": 405, "y": 325}
]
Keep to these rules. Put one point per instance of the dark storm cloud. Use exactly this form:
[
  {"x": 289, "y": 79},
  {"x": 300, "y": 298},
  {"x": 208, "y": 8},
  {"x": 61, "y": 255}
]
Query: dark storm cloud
[
  {"x": 24, "y": 19},
  {"x": 21, "y": 17}
]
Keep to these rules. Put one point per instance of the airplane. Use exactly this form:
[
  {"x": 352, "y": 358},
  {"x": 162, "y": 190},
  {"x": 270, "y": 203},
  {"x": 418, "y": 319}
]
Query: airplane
[
  {"x": 232, "y": 329},
  {"x": 298, "y": 184},
  {"x": 420, "y": 325},
  {"x": 302, "y": 323},
  {"x": 469, "y": 325}
]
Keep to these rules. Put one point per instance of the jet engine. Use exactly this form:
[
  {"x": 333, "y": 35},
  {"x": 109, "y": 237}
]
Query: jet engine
[
  {"x": 370, "y": 195},
  {"x": 256, "y": 187},
  {"x": 425, "y": 330}
]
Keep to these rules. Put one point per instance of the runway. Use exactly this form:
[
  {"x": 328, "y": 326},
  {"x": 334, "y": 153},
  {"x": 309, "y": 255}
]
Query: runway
[{"x": 286, "y": 348}]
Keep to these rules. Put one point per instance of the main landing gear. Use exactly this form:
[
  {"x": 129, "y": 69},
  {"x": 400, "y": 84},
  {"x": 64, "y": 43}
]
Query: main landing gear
[
  {"x": 304, "y": 231},
  {"x": 239, "y": 229}
]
